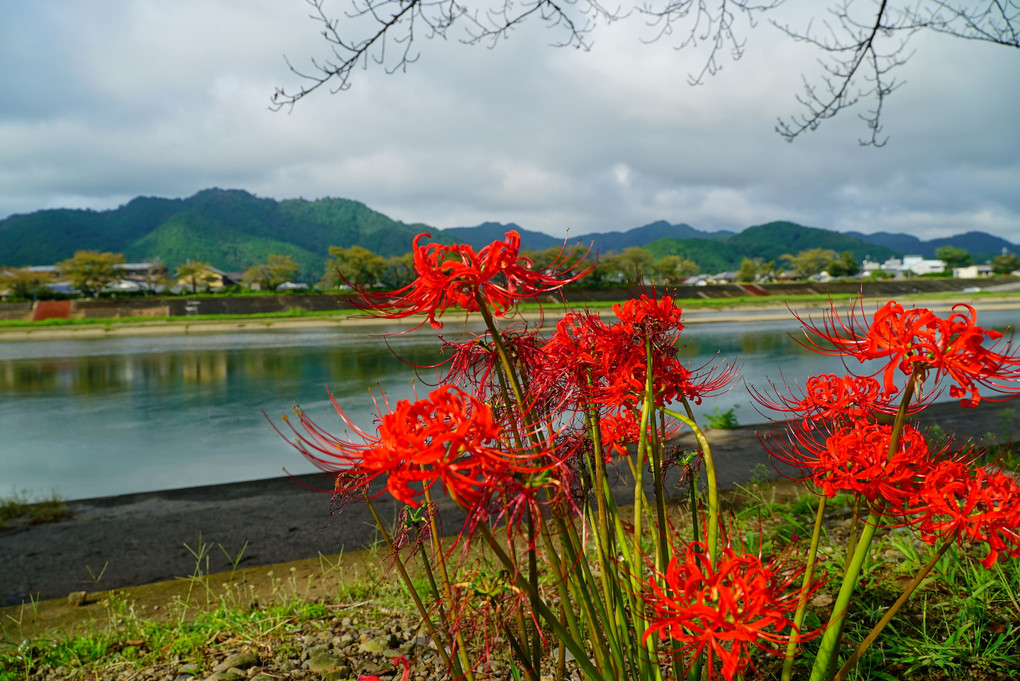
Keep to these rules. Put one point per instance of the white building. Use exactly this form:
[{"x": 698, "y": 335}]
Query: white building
[
  {"x": 910, "y": 265},
  {"x": 917, "y": 265},
  {"x": 972, "y": 271}
]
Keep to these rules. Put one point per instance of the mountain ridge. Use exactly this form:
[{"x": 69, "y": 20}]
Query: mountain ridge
[{"x": 232, "y": 229}]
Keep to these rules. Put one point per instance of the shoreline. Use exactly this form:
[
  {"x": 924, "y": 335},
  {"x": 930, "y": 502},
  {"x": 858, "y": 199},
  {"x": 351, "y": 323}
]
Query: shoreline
[
  {"x": 140, "y": 538},
  {"x": 740, "y": 313}
]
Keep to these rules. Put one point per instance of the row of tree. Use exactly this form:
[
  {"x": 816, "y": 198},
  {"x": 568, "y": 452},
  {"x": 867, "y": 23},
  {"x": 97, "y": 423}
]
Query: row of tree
[
  {"x": 357, "y": 265},
  {"x": 91, "y": 272},
  {"x": 812, "y": 261}
]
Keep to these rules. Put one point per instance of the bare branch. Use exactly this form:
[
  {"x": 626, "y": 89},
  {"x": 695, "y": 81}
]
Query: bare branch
[
  {"x": 861, "y": 56},
  {"x": 706, "y": 23},
  {"x": 392, "y": 22},
  {"x": 862, "y": 42}
]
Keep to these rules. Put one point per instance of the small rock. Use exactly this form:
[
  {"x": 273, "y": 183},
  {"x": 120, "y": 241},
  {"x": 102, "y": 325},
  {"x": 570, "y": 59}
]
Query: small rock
[
  {"x": 821, "y": 600},
  {"x": 187, "y": 670},
  {"x": 375, "y": 645},
  {"x": 323, "y": 662},
  {"x": 370, "y": 668},
  {"x": 76, "y": 599},
  {"x": 337, "y": 675},
  {"x": 228, "y": 675},
  {"x": 242, "y": 660}
]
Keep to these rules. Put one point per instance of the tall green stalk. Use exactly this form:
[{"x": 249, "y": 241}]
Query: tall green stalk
[
  {"x": 422, "y": 610},
  {"x": 713, "y": 483},
  {"x": 809, "y": 570},
  {"x": 908, "y": 591},
  {"x": 829, "y": 645}
]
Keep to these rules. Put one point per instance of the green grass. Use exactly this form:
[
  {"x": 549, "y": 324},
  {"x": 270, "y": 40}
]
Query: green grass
[
  {"x": 203, "y": 614},
  {"x": 292, "y": 313},
  {"x": 962, "y": 624},
  {"x": 18, "y": 506},
  {"x": 688, "y": 304}
]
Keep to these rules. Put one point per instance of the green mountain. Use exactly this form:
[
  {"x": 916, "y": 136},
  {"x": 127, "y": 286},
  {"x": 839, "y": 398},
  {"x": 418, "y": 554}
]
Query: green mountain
[
  {"x": 769, "y": 242},
  {"x": 230, "y": 229}
]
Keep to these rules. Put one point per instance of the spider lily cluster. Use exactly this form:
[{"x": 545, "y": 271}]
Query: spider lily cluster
[{"x": 530, "y": 428}]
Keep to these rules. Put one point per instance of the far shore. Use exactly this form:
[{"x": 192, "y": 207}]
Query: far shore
[{"x": 744, "y": 313}]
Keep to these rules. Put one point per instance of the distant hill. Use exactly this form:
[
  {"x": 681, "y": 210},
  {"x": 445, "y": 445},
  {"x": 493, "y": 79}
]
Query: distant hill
[
  {"x": 769, "y": 242},
  {"x": 610, "y": 242},
  {"x": 601, "y": 242},
  {"x": 230, "y": 229},
  {"x": 980, "y": 245},
  {"x": 233, "y": 229},
  {"x": 487, "y": 232}
]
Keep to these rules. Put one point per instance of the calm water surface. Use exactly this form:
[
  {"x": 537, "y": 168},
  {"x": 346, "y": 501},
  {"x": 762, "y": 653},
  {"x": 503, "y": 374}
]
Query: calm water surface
[{"x": 90, "y": 418}]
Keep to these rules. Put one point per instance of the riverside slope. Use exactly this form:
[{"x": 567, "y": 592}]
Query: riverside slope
[{"x": 136, "y": 539}]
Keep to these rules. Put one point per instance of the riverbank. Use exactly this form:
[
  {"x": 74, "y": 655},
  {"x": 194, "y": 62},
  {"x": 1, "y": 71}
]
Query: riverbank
[
  {"x": 697, "y": 312},
  {"x": 132, "y": 539}
]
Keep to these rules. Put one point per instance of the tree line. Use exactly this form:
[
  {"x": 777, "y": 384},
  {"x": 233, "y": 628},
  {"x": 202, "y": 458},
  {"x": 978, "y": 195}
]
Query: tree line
[{"x": 91, "y": 272}]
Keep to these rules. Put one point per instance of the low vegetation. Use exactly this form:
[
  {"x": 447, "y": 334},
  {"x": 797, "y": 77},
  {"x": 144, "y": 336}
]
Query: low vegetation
[
  {"x": 963, "y": 624},
  {"x": 20, "y": 508}
]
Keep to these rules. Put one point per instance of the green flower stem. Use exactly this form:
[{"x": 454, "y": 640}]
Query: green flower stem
[
  {"x": 437, "y": 541},
  {"x": 908, "y": 591},
  {"x": 422, "y": 610},
  {"x": 662, "y": 548},
  {"x": 809, "y": 569},
  {"x": 593, "y": 608},
  {"x": 648, "y": 657},
  {"x": 834, "y": 630},
  {"x": 536, "y": 635},
  {"x": 603, "y": 533},
  {"x": 575, "y": 647},
  {"x": 504, "y": 357},
  {"x": 713, "y": 483},
  {"x": 830, "y": 640},
  {"x": 560, "y": 561}
]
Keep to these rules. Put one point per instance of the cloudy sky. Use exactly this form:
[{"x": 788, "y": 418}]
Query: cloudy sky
[{"x": 106, "y": 100}]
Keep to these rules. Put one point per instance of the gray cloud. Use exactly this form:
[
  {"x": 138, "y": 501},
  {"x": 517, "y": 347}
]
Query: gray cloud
[{"x": 108, "y": 100}]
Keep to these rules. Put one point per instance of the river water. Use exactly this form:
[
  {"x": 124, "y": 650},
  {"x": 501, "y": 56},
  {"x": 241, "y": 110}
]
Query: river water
[{"x": 86, "y": 418}]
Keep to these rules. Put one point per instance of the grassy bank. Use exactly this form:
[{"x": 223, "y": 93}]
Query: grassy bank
[
  {"x": 749, "y": 304},
  {"x": 964, "y": 623}
]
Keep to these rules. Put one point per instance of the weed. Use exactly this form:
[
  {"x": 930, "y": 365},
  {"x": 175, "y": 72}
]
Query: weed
[
  {"x": 19, "y": 506},
  {"x": 723, "y": 420}
]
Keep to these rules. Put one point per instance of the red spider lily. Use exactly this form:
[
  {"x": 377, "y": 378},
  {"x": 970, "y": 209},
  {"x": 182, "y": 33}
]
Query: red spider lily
[
  {"x": 617, "y": 431},
  {"x": 456, "y": 276},
  {"x": 570, "y": 362},
  {"x": 980, "y": 505},
  {"x": 918, "y": 340},
  {"x": 473, "y": 361},
  {"x": 831, "y": 398},
  {"x": 449, "y": 437},
  {"x": 594, "y": 364},
  {"x": 656, "y": 317},
  {"x": 855, "y": 459},
  {"x": 725, "y": 608}
]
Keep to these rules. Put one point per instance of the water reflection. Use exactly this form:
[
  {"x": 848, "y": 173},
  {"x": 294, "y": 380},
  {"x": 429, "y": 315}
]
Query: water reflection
[{"x": 104, "y": 374}]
